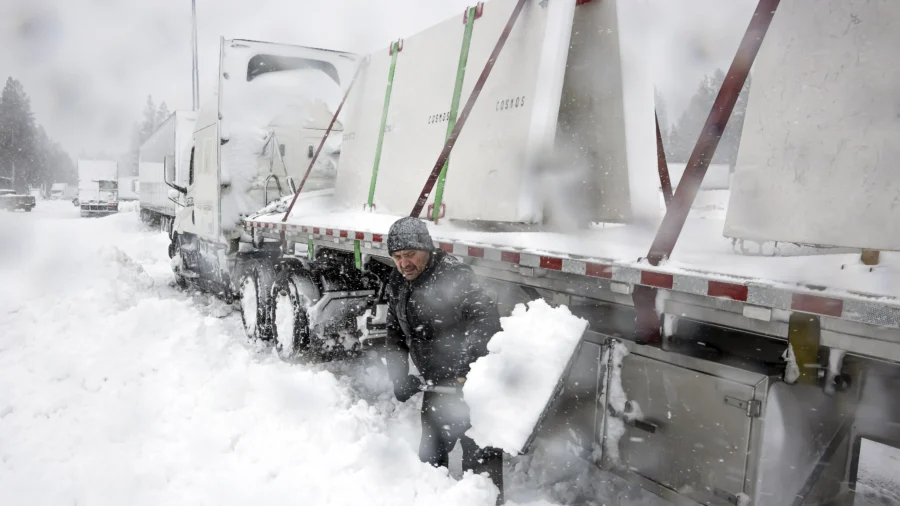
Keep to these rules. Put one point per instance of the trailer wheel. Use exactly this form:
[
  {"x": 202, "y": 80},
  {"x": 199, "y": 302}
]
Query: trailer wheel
[
  {"x": 175, "y": 255},
  {"x": 255, "y": 301},
  {"x": 292, "y": 295}
]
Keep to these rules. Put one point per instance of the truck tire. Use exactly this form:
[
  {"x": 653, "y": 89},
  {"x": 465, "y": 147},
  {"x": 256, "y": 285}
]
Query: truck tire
[
  {"x": 28, "y": 209},
  {"x": 292, "y": 295},
  {"x": 254, "y": 297}
]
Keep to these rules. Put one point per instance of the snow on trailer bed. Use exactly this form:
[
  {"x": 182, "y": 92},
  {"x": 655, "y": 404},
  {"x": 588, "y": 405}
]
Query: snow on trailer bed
[{"x": 704, "y": 261}]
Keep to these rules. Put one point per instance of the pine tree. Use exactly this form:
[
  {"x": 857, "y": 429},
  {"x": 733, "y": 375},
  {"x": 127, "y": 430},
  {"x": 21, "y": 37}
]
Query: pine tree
[
  {"x": 731, "y": 137},
  {"x": 148, "y": 124},
  {"x": 662, "y": 114},
  {"x": 17, "y": 137},
  {"x": 692, "y": 120},
  {"x": 684, "y": 135},
  {"x": 153, "y": 117},
  {"x": 161, "y": 115}
]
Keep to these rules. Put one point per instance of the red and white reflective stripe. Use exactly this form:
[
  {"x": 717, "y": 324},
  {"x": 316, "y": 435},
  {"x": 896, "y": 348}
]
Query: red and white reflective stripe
[
  {"x": 807, "y": 303},
  {"x": 727, "y": 290},
  {"x": 872, "y": 310}
]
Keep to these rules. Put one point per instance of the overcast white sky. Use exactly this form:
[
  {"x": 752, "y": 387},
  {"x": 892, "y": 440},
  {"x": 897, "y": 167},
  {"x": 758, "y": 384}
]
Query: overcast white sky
[{"x": 88, "y": 65}]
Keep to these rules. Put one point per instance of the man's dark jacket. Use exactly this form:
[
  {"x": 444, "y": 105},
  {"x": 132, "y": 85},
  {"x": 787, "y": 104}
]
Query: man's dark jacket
[{"x": 443, "y": 319}]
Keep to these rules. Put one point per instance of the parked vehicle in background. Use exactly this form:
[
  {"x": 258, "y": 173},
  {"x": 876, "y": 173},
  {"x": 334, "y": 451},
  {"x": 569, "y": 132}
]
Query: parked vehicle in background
[
  {"x": 165, "y": 156},
  {"x": 10, "y": 201},
  {"x": 128, "y": 188},
  {"x": 62, "y": 191},
  {"x": 98, "y": 187}
]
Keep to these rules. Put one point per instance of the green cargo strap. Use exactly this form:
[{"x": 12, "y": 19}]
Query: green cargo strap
[
  {"x": 395, "y": 49},
  {"x": 357, "y": 255},
  {"x": 310, "y": 249},
  {"x": 454, "y": 107}
]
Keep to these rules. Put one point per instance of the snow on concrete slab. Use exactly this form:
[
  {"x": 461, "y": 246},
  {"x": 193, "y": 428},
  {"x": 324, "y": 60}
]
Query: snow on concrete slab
[
  {"x": 509, "y": 389},
  {"x": 116, "y": 388}
]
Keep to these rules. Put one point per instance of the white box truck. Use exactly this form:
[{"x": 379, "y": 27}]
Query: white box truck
[
  {"x": 98, "y": 187},
  {"x": 162, "y": 159},
  {"x": 63, "y": 191},
  {"x": 128, "y": 188}
]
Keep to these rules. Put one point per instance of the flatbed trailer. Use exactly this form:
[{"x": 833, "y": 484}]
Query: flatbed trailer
[
  {"x": 722, "y": 334},
  {"x": 756, "y": 372},
  {"x": 730, "y": 284}
]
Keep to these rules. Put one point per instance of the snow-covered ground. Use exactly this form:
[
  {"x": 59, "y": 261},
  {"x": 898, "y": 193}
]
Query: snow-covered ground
[{"x": 117, "y": 388}]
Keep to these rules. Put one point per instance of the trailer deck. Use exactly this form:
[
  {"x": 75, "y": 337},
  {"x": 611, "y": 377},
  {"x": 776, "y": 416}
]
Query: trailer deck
[{"x": 704, "y": 263}]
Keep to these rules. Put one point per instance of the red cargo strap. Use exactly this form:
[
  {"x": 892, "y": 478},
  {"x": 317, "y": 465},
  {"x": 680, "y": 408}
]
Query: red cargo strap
[
  {"x": 680, "y": 206},
  {"x": 664, "y": 181}
]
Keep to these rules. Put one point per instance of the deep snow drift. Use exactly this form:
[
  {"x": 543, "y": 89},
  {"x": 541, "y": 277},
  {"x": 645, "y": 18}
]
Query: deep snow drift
[{"x": 115, "y": 389}]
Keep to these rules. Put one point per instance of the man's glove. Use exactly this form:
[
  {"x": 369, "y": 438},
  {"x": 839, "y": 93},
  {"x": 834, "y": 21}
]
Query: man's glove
[{"x": 407, "y": 387}]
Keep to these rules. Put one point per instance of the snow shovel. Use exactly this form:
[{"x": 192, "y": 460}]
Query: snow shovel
[
  {"x": 441, "y": 389},
  {"x": 557, "y": 390}
]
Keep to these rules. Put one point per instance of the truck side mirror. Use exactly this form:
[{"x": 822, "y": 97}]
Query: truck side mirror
[
  {"x": 179, "y": 189},
  {"x": 281, "y": 150}
]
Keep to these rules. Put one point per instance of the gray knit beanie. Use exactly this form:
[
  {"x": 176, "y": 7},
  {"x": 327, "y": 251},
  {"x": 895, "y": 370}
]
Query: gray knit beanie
[{"x": 409, "y": 233}]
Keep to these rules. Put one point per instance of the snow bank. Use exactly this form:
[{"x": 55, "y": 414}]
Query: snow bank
[
  {"x": 509, "y": 388},
  {"x": 116, "y": 388}
]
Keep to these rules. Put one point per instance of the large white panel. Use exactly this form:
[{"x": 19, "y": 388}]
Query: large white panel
[
  {"x": 420, "y": 108},
  {"x": 517, "y": 110},
  {"x": 363, "y": 120},
  {"x": 492, "y": 167},
  {"x": 639, "y": 107},
  {"x": 818, "y": 157},
  {"x": 589, "y": 181}
]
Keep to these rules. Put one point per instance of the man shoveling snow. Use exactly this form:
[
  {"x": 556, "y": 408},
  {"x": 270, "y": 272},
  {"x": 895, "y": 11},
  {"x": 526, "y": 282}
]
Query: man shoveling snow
[{"x": 440, "y": 316}]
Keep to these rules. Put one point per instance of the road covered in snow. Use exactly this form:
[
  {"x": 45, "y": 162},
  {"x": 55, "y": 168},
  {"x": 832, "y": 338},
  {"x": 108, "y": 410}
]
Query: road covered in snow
[{"x": 118, "y": 388}]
